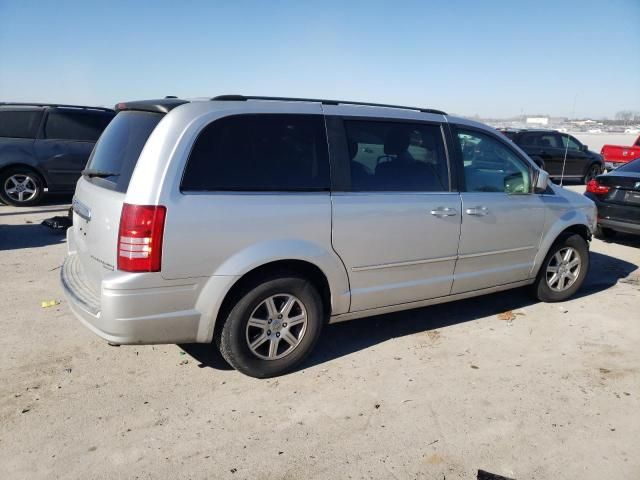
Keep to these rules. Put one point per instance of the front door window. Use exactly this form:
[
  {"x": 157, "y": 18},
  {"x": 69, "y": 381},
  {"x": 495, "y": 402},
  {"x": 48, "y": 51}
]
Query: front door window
[{"x": 490, "y": 166}]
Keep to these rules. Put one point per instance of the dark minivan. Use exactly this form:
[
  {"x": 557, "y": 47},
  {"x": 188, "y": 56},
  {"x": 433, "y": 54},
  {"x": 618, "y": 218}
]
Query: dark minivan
[{"x": 44, "y": 148}]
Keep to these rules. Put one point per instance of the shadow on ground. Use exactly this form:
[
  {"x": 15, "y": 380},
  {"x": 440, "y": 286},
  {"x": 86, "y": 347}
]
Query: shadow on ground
[
  {"x": 28, "y": 235},
  {"x": 345, "y": 338},
  {"x": 624, "y": 239},
  {"x": 58, "y": 203}
]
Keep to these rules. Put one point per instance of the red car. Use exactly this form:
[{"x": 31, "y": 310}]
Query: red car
[{"x": 616, "y": 155}]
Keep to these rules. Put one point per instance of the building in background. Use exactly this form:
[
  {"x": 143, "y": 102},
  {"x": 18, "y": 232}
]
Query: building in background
[{"x": 537, "y": 121}]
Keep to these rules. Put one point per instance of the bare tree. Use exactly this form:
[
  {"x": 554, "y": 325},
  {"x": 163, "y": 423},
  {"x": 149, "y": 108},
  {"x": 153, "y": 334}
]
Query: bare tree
[{"x": 624, "y": 115}]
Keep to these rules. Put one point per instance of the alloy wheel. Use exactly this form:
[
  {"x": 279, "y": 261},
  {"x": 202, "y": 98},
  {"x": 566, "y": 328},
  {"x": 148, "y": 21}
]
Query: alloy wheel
[
  {"x": 563, "y": 269},
  {"x": 20, "y": 187},
  {"x": 276, "y": 326},
  {"x": 593, "y": 172}
]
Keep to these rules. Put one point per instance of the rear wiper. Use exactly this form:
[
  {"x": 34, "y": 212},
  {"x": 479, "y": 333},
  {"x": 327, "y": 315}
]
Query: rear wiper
[{"x": 99, "y": 173}]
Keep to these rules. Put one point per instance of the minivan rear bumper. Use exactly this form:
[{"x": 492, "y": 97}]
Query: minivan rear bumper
[{"x": 132, "y": 315}]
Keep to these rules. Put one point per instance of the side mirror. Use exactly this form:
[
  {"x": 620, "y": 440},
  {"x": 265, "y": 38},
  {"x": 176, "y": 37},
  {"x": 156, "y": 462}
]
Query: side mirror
[
  {"x": 584, "y": 148},
  {"x": 542, "y": 181}
]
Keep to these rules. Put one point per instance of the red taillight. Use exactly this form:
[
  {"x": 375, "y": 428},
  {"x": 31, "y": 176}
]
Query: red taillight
[
  {"x": 594, "y": 187},
  {"x": 140, "y": 238}
]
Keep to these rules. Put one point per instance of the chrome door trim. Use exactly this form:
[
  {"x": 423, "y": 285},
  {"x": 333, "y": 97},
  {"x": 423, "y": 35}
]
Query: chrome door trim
[
  {"x": 496, "y": 252},
  {"x": 81, "y": 209},
  {"x": 402, "y": 264}
]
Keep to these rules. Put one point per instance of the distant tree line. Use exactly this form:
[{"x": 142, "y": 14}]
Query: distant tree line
[{"x": 627, "y": 116}]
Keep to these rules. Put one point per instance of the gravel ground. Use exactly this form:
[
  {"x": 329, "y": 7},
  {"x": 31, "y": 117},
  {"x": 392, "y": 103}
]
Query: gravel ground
[{"x": 438, "y": 392}]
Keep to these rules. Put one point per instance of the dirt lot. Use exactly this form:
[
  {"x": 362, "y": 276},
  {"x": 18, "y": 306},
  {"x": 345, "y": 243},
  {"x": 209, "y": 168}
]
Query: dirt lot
[{"x": 438, "y": 392}]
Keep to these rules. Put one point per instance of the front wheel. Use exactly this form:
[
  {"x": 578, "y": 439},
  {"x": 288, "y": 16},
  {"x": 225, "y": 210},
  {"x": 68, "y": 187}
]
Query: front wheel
[
  {"x": 563, "y": 270},
  {"x": 272, "y": 327},
  {"x": 20, "y": 187}
]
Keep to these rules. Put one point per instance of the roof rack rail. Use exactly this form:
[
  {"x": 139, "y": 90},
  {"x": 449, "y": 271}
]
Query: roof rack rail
[
  {"x": 242, "y": 98},
  {"x": 38, "y": 104}
]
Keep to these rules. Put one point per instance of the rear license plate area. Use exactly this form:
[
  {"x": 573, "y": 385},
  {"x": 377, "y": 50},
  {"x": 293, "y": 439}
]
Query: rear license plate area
[{"x": 632, "y": 198}]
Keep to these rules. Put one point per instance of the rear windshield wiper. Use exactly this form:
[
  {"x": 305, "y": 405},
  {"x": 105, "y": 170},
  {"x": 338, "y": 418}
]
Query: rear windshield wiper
[{"x": 99, "y": 173}]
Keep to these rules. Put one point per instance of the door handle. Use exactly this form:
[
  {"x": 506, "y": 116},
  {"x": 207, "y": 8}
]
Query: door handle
[
  {"x": 444, "y": 212},
  {"x": 479, "y": 211}
]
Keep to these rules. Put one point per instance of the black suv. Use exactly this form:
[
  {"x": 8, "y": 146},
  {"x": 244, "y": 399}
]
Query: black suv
[
  {"x": 44, "y": 148},
  {"x": 548, "y": 148}
]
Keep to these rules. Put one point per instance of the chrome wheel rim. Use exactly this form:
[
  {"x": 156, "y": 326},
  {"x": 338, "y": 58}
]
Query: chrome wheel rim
[
  {"x": 563, "y": 269},
  {"x": 276, "y": 326},
  {"x": 20, "y": 187}
]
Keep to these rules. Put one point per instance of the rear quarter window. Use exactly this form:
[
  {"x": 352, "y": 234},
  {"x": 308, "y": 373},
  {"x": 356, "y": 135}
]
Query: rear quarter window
[
  {"x": 80, "y": 126},
  {"x": 263, "y": 152},
  {"x": 19, "y": 123},
  {"x": 631, "y": 167},
  {"x": 509, "y": 135}
]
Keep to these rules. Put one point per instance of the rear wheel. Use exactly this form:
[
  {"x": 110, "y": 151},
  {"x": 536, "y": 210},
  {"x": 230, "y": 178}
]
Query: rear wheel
[
  {"x": 563, "y": 270},
  {"x": 272, "y": 327},
  {"x": 21, "y": 187},
  {"x": 603, "y": 232},
  {"x": 592, "y": 172}
]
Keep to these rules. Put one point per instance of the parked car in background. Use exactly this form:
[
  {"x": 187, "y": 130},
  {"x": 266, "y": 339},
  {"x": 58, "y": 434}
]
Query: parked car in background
[
  {"x": 617, "y": 155},
  {"x": 44, "y": 147},
  {"x": 547, "y": 148},
  {"x": 252, "y": 221},
  {"x": 617, "y": 197}
]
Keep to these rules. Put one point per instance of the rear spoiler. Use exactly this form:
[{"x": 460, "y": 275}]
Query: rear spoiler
[{"x": 164, "y": 105}]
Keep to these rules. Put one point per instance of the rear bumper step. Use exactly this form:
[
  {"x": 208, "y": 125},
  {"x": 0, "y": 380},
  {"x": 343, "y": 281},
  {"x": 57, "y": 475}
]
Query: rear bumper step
[
  {"x": 76, "y": 287},
  {"x": 132, "y": 316}
]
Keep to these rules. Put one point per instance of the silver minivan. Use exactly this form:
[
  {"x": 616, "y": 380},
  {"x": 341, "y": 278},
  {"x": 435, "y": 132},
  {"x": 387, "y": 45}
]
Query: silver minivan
[{"x": 249, "y": 222}]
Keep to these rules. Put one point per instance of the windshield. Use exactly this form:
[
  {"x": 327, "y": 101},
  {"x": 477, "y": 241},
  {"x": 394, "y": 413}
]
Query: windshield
[
  {"x": 633, "y": 166},
  {"x": 119, "y": 147}
]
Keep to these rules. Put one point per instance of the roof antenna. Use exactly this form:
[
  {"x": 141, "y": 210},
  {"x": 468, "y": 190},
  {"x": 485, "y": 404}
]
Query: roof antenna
[{"x": 566, "y": 141}]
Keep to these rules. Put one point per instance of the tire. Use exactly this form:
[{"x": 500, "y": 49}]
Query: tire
[
  {"x": 264, "y": 303},
  {"x": 604, "y": 233},
  {"x": 21, "y": 187},
  {"x": 592, "y": 172},
  {"x": 542, "y": 288}
]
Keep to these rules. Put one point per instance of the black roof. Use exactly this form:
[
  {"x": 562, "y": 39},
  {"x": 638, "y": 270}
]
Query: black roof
[{"x": 53, "y": 105}]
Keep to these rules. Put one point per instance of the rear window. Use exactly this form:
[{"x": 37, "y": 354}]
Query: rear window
[
  {"x": 632, "y": 167},
  {"x": 19, "y": 124},
  {"x": 528, "y": 139},
  {"x": 508, "y": 134},
  {"x": 261, "y": 152},
  {"x": 119, "y": 147},
  {"x": 80, "y": 126}
]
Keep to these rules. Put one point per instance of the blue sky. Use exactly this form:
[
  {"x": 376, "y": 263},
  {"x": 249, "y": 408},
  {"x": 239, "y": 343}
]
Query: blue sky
[{"x": 492, "y": 58}]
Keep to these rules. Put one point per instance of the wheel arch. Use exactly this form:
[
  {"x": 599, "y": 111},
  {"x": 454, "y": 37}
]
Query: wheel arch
[
  {"x": 552, "y": 237},
  {"x": 34, "y": 169},
  {"x": 302, "y": 268},
  {"x": 593, "y": 163}
]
